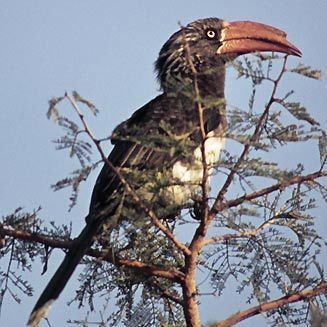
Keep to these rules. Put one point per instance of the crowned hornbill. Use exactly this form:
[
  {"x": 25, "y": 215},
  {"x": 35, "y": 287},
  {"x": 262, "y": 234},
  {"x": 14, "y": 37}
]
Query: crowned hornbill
[{"x": 198, "y": 52}]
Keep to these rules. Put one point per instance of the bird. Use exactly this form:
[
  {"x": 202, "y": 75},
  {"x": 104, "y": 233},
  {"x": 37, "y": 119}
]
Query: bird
[{"x": 164, "y": 137}]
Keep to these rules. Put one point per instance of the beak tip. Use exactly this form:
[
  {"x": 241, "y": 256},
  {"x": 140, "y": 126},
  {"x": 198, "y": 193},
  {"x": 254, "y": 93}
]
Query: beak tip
[
  {"x": 242, "y": 37},
  {"x": 299, "y": 54},
  {"x": 294, "y": 51}
]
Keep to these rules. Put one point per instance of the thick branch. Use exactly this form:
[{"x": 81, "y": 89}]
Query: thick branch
[
  {"x": 272, "y": 305},
  {"x": 108, "y": 255}
]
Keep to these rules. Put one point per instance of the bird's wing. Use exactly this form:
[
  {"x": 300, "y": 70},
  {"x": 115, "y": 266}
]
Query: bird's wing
[
  {"x": 146, "y": 141},
  {"x": 133, "y": 149}
]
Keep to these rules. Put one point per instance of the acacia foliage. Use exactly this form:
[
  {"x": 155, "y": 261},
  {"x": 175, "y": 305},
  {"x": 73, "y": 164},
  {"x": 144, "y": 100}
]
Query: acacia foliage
[{"x": 267, "y": 245}]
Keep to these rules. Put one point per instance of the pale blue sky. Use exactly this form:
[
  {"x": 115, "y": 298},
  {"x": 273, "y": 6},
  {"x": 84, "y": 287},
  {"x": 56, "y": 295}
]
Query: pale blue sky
[{"x": 105, "y": 50}]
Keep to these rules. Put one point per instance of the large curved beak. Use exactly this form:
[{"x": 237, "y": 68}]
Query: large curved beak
[{"x": 245, "y": 37}]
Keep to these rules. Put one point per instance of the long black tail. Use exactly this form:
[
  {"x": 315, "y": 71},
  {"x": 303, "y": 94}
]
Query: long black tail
[{"x": 64, "y": 272}]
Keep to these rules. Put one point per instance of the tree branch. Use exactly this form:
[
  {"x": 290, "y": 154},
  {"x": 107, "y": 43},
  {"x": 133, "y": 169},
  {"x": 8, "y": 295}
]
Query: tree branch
[
  {"x": 230, "y": 236},
  {"x": 270, "y": 189},
  {"x": 272, "y": 305},
  {"x": 168, "y": 294},
  {"x": 249, "y": 233},
  {"x": 108, "y": 255}
]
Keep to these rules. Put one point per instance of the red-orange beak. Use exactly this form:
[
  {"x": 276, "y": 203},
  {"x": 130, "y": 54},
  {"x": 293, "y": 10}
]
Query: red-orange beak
[{"x": 245, "y": 37}]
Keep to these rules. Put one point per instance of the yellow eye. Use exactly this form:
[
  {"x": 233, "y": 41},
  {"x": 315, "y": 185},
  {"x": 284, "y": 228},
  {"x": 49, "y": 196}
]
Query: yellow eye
[{"x": 211, "y": 34}]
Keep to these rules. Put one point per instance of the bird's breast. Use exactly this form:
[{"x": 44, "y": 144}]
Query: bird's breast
[{"x": 190, "y": 174}]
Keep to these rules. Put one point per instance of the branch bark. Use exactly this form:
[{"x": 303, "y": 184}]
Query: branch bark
[
  {"x": 271, "y": 305},
  {"x": 108, "y": 255}
]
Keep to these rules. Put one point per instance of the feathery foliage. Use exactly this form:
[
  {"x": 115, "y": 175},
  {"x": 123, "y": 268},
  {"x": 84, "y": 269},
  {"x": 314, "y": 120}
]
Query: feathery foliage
[{"x": 267, "y": 244}]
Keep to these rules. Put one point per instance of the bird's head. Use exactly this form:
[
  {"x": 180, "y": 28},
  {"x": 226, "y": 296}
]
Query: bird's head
[{"x": 207, "y": 44}]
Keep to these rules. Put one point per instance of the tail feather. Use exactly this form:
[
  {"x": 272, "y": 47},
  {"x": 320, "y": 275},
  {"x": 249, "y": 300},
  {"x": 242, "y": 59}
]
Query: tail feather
[{"x": 64, "y": 272}]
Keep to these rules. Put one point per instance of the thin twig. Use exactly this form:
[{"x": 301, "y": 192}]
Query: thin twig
[
  {"x": 271, "y": 189},
  {"x": 230, "y": 236},
  {"x": 6, "y": 275},
  {"x": 168, "y": 294}
]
